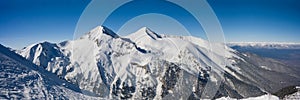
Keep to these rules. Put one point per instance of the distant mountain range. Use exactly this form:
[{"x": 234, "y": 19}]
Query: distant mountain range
[
  {"x": 265, "y": 45},
  {"x": 287, "y": 53},
  {"x": 146, "y": 65}
]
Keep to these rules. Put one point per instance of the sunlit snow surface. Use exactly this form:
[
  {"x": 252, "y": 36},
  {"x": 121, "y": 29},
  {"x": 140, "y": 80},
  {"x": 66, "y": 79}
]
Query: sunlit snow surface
[{"x": 263, "y": 97}]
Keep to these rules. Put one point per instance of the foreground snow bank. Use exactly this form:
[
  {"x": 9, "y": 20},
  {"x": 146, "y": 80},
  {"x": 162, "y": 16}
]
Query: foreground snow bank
[{"x": 263, "y": 97}]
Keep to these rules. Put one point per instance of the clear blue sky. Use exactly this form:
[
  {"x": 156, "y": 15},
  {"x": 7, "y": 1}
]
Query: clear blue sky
[
  {"x": 259, "y": 20},
  {"x": 23, "y": 22}
]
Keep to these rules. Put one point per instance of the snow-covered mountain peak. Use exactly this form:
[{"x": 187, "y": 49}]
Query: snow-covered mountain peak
[
  {"x": 44, "y": 50},
  {"x": 99, "y": 31},
  {"x": 144, "y": 32},
  {"x": 145, "y": 29}
]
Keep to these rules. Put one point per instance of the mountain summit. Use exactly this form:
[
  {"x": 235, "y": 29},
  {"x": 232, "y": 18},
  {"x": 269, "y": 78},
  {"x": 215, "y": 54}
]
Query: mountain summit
[
  {"x": 149, "y": 32},
  {"x": 144, "y": 32},
  {"x": 98, "y": 31}
]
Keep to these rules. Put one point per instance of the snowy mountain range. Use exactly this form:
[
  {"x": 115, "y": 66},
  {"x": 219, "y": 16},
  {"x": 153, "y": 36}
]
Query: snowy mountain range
[{"x": 147, "y": 65}]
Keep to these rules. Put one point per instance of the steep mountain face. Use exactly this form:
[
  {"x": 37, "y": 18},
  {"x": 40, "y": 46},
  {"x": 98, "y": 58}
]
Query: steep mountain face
[
  {"x": 21, "y": 79},
  {"x": 147, "y": 65}
]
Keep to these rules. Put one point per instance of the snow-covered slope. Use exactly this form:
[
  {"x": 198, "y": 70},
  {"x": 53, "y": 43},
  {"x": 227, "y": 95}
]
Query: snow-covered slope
[
  {"x": 294, "y": 96},
  {"x": 147, "y": 65},
  {"x": 263, "y": 97},
  {"x": 21, "y": 79}
]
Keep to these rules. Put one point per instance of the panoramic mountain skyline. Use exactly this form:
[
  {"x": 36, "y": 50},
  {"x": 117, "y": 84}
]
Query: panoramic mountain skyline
[
  {"x": 27, "y": 22},
  {"x": 149, "y": 65},
  {"x": 150, "y": 49}
]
